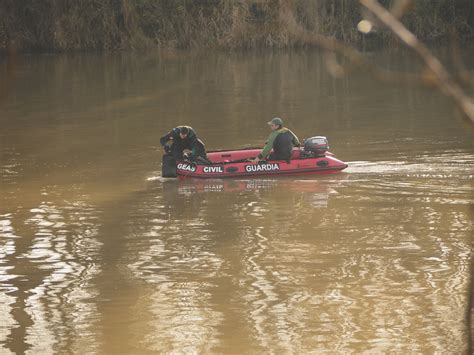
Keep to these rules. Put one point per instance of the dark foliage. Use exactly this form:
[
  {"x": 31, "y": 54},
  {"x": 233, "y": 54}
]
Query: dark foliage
[{"x": 55, "y": 25}]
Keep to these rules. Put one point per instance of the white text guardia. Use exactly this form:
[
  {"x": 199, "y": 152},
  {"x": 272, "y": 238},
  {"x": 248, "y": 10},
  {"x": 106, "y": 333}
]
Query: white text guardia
[{"x": 262, "y": 167}]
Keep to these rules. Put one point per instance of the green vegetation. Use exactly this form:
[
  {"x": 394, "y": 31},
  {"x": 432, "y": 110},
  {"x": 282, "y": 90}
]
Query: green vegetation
[{"x": 57, "y": 25}]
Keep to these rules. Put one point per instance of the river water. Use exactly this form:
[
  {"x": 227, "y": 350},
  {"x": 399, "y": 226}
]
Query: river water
[{"x": 99, "y": 255}]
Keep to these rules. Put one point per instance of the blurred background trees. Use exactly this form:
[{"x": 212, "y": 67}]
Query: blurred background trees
[{"x": 59, "y": 25}]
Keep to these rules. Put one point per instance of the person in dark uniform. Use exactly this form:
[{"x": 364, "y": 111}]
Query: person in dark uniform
[
  {"x": 181, "y": 138},
  {"x": 281, "y": 140}
]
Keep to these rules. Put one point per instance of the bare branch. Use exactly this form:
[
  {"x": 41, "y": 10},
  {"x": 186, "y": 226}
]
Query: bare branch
[
  {"x": 463, "y": 73},
  {"x": 400, "y": 7},
  {"x": 357, "y": 59},
  {"x": 443, "y": 80}
]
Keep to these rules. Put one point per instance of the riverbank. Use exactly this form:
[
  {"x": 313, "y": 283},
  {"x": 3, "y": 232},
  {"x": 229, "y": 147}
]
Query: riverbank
[{"x": 145, "y": 24}]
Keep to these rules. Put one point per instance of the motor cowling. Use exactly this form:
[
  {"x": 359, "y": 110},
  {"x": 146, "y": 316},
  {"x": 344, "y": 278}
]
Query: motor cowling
[{"x": 318, "y": 145}]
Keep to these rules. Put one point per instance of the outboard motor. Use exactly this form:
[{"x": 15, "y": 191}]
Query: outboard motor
[{"x": 317, "y": 145}]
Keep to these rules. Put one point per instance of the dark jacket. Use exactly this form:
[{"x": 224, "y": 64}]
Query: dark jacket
[
  {"x": 282, "y": 142},
  {"x": 188, "y": 142}
]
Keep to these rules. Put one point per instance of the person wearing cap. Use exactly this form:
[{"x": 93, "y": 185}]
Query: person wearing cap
[
  {"x": 181, "y": 138},
  {"x": 281, "y": 140}
]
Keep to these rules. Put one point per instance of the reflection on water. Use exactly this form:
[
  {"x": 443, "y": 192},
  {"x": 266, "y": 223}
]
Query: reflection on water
[
  {"x": 314, "y": 192},
  {"x": 49, "y": 258},
  {"x": 100, "y": 255}
]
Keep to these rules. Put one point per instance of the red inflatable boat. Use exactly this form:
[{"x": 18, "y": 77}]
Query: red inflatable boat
[{"x": 314, "y": 158}]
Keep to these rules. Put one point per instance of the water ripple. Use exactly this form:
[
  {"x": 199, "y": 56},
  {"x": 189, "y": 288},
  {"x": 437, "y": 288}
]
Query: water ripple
[{"x": 48, "y": 273}]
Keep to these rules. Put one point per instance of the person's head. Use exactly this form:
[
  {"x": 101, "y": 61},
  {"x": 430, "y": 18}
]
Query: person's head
[
  {"x": 183, "y": 132},
  {"x": 275, "y": 123}
]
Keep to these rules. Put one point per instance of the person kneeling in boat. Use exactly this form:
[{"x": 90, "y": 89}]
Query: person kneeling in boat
[
  {"x": 181, "y": 138},
  {"x": 281, "y": 140}
]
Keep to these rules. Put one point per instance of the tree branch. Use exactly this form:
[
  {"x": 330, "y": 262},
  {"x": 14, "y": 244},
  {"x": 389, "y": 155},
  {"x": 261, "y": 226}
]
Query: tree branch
[
  {"x": 356, "y": 58},
  {"x": 443, "y": 80}
]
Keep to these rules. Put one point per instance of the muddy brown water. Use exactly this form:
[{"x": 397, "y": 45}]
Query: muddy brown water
[{"x": 99, "y": 255}]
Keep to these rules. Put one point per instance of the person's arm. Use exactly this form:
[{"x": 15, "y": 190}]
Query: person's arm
[
  {"x": 170, "y": 135},
  {"x": 193, "y": 142},
  {"x": 192, "y": 137},
  {"x": 268, "y": 147}
]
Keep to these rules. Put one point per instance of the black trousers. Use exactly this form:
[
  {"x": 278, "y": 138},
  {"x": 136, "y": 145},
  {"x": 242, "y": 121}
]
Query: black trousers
[{"x": 279, "y": 156}]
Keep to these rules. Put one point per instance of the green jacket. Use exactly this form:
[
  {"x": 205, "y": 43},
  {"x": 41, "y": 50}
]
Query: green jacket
[{"x": 271, "y": 139}]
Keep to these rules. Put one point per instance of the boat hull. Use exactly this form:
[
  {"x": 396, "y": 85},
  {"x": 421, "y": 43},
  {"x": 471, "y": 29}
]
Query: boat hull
[{"x": 233, "y": 164}]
